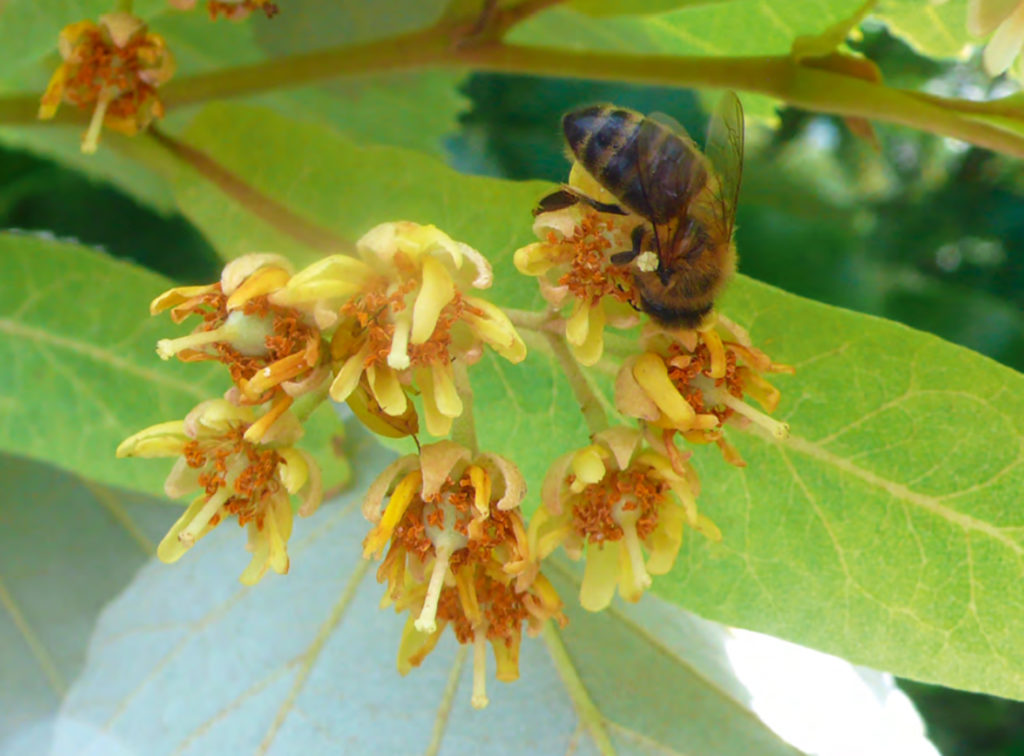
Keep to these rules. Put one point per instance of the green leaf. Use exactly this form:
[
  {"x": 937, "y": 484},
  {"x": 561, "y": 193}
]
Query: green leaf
[
  {"x": 891, "y": 509},
  {"x": 306, "y": 662},
  {"x": 66, "y": 548},
  {"x": 851, "y": 537},
  {"x": 79, "y": 367},
  {"x": 935, "y": 29},
  {"x": 830, "y": 39},
  {"x": 80, "y": 371},
  {"x": 378, "y": 108},
  {"x": 737, "y": 28}
]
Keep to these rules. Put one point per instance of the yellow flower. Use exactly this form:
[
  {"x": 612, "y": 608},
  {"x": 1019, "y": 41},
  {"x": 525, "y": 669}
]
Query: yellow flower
[
  {"x": 235, "y": 10},
  {"x": 574, "y": 267},
  {"x": 1006, "y": 19},
  {"x": 402, "y": 315},
  {"x": 115, "y": 67},
  {"x": 254, "y": 482},
  {"x": 693, "y": 382},
  {"x": 458, "y": 556},
  {"x": 612, "y": 501},
  {"x": 273, "y": 353}
]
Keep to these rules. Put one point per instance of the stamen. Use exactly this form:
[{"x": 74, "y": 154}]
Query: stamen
[
  {"x": 479, "y": 698},
  {"x": 255, "y": 432},
  {"x": 277, "y": 372}
]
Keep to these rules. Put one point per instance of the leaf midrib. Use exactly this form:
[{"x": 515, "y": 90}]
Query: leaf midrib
[{"x": 99, "y": 355}]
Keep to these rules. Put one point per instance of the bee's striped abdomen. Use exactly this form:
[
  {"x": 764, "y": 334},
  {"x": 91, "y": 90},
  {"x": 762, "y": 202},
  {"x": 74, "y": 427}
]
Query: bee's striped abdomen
[
  {"x": 651, "y": 170},
  {"x": 603, "y": 139}
]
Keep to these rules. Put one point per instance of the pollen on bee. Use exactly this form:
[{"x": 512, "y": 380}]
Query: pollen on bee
[{"x": 647, "y": 261}]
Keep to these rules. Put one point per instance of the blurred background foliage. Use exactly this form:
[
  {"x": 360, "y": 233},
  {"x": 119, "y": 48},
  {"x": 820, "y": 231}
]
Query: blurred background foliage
[{"x": 915, "y": 228}]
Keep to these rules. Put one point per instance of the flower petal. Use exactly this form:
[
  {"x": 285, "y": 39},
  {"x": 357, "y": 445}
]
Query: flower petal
[
  {"x": 437, "y": 461},
  {"x": 551, "y": 488},
  {"x": 983, "y": 16},
  {"x": 513, "y": 484},
  {"x": 171, "y": 548},
  {"x": 375, "y": 493},
  {"x": 436, "y": 291},
  {"x": 588, "y": 465},
  {"x": 262, "y": 282},
  {"x": 589, "y": 351},
  {"x": 415, "y": 646},
  {"x": 630, "y": 397},
  {"x": 650, "y": 372},
  {"x": 494, "y": 327},
  {"x": 449, "y": 403},
  {"x": 438, "y": 424},
  {"x": 347, "y": 379},
  {"x": 663, "y": 544},
  {"x": 400, "y": 500},
  {"x": 178, "y": 295},
  {"x": 600, "y": 575},
  {"x": 387, "y": 390},
  {"x": 1006, "y": 43},
  {"x": 161, "y": 440},
  {"x": 294, "y": 472}
]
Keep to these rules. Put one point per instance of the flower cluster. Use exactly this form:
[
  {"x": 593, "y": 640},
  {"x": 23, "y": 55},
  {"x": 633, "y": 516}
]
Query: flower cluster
[
  {"x": 692, "y": 383},
  {"x": 114, "y": 67},
  {"x": 254, "y": 482},
  {"x": 273, "y": 353},
  {"x": 401, "y": 315},
  {"x": 374, "y": 331},
  {"x": 622, "y": 502},
  {"x": 235, "y": 10},
  {"x": 457, "y": 554},
  {"x": 575, "y": 272},
  {"x": 614, "y": 500}
]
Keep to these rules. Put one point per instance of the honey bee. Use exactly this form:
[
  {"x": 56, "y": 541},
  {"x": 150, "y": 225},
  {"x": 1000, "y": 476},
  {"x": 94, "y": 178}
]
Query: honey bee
[{"x": 684, "y": 254}]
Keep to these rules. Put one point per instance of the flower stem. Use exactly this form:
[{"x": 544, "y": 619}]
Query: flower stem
[
  {"x": 590, "y": 405},
  {"x": 464, "y": 426},
  {"x": 459, "y": 43},
  {"x": 776, "y": 76},
  {"x": 530, "y": 320}
]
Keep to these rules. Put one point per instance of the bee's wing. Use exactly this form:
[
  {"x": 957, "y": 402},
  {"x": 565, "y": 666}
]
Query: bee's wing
[
  {"x": 724, "y": 150},
  {"x": 677, "y": 176}
]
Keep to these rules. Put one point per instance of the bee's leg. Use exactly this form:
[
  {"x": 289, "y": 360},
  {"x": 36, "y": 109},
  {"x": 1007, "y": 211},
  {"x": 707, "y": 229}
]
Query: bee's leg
[
  {"x": 621, "y": 258},
  {"x": 567, "y": 197},
  {"x": 602, "y": 207},
  {"x": 558, "y": 200}
]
